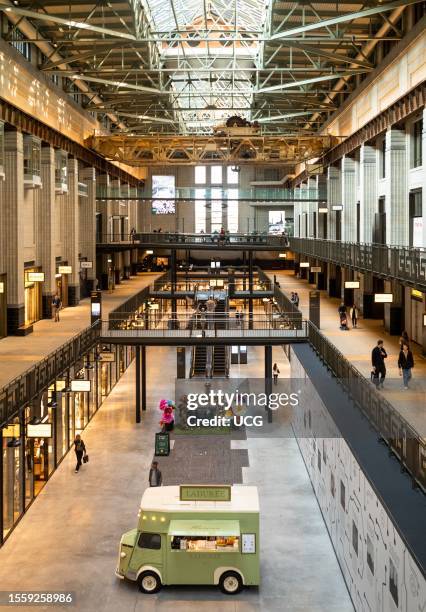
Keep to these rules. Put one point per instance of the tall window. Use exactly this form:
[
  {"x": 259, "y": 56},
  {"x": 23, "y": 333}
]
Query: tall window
[
  {"x": 216, "y": 175},
  {"x": 200, "y": 175},
  {"x": 216, "y": 210},
  {"x": 417, "y": 144},
  {"x": 232, "y": 176},
  {"x": 200, "y": 211},
  {"x": 232, "y": 210}
]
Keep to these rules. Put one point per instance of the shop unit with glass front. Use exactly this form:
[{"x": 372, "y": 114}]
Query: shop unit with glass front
[
  {"x": 204, "y": 534},
  {"x": 34, "y": 442}
]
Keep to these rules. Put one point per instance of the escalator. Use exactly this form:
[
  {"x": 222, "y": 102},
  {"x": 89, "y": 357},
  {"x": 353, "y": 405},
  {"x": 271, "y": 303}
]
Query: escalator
[
  {"x": 220, "y": 364},
  {"x": 199, "y": 361}
]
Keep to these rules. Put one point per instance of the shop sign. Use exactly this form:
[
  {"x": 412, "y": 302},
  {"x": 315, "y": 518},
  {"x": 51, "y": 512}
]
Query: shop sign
[
  {"x": 383, "y": 298},
  {"x": 11, "y": 431},
  {"x": 35, "y": 277},
  {"x": 41, "y": 430},
  {"x": 85, "y": 265},
  {"x": 337, "y": 207},
  {"x": 215, "y": 493},
  {"x": 106, "y": 356},
  {"x": 304, "y": 264},
  {"x": 282, "y": 255},
  {"x": 64, "y": 269},
  {"x": 60, "y": 385},
  {"x": 1, "y": 287},
  {"x": 80, "y": 385},
  {"x": 316, "y": 269},
  {"x": 351, "y": 284},
  {"x": 416, "y": 294},
  {"x": 162, "y": 444},
  {"x": 323, "y": 211}
]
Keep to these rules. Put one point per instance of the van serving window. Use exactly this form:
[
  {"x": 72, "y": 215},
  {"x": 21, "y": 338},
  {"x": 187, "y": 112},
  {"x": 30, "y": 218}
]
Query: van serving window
[{"x": 150, "y": 540}]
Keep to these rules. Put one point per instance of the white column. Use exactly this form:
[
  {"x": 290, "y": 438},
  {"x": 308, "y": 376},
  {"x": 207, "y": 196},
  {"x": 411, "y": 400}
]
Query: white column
[
  {"x": 87, "y": 218},
  {"x": 45, "y": 227},
  {"x": 368, "y": 191},
  {"x": 13, "y": 228},
  {"x": 70, "y": 242},
  {"x": 334, "y": 194},
  {"x": 397, "y": 215},
  {"x": 348, "y": 199},
  {"x": 103, "y": 207}
]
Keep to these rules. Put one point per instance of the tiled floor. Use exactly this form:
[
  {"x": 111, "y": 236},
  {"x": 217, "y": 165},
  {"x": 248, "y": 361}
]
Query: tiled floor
[
  {"x": 17, "y": 354},
  {"x": 357, "y": 344},
  {"x": 69, "y": 538}
]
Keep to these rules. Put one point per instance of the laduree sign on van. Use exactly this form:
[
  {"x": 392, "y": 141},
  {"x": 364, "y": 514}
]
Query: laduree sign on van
[{"x": 205, "y": 493}]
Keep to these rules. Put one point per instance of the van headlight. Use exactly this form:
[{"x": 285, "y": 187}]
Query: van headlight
[{"x": 122, "y": 555}]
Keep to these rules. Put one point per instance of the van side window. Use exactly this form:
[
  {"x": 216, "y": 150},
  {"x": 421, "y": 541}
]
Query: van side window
[{"x": 150, "y": 540}]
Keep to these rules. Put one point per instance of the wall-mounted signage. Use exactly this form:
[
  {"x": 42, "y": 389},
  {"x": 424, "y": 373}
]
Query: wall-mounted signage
[
  {"x": 80, "y": 385},
  {"x": 416, "y": 294},
  {"x": 322, "y": 210},
  {"x": 150, "y": 252},
  {"x": 304, "y": 264},
  {"x": 213, "y": 493},
  {"x": 337, "y": 207},
  {"x": 35, "y": 277},
  {"x": 282, "y": 255},
  {"x": 424, "y": 320},
  {"x": 11, "y": 431},
  {"x": 1, "y": 287},
  {"x": 60, "y": 385},
  {"x": 154, "y": 306},
  {"x": 316, "y": 269},
  {"x": 106, "y": 356},
  {"x": 41, "y": 430},
  {"x": 351, "y": 284},
  {"x": 64, "y": 269},
  {"x": 383, "y": 298},
  {"x": 86, "y": 265}
]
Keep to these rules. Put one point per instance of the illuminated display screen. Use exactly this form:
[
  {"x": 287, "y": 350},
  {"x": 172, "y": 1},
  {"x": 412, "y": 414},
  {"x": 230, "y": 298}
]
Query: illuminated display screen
[{"x": 163, "y": 187}]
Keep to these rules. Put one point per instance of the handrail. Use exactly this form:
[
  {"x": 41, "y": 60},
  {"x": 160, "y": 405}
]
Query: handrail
[
  {"x": 406, "y": 264},
  {"x": 24, "y": 388},
  {"x": 215, "y": 239}
]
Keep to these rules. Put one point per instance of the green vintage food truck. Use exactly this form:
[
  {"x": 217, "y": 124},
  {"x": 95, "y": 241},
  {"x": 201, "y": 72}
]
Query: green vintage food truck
[{"x": 194, "y": 534}]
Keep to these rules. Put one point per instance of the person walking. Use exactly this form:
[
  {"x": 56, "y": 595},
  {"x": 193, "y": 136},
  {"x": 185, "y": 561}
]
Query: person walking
[
  {"x": 296, "y": 299},
  {"x": 56, "y": 307},
  {"x": 378, "y": 356},
  {"x": 404, "y": 339},
  {"x": 405, "y": 364},
  {"x": 155, "y": 477},
  {"x": 80, "y": 451},
  {"x": 275, "y": 372},
  {"x": 353, "y": 313}
]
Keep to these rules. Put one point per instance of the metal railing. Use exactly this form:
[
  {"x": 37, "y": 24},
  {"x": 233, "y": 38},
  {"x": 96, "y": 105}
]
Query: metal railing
[
  {"x": 401, "y": 438},
  {"x": 27, "y": 386},
  {"x": 165, "y": 239},
  {"x": 134, "y": 302},
  {"x": 405, "y": 264}
]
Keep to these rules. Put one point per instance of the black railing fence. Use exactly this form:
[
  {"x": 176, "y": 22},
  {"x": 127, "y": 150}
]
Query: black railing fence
[{"x": 406, "y": 264}]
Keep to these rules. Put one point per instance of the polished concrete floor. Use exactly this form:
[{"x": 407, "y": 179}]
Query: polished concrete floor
[
  {"x": 357, "y": 344},
  {"x": 17, "y": 353},
  {"x": 69, "y": 538}
]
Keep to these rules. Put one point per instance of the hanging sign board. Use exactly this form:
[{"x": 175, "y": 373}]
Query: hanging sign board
[
  {"x": 316, "y": 269},
  {"x": 323, "y": 211},
  {"x": 80, "y": 385},
  {"x": 41, "y": 430},
  {"x": 351, "y": 284},
  {"x": 35, "y": 277},
  {"x": 383, "y": 298},
  {"x": 106, "y": 356},
  {"x": 11, "y": 431},
  {"x": 64, "y": 269},
  {"x": 215, "y": 493},
  {"x": 304, "y": 264},
  {"x": 162, "y": 444},
  {"x": 337, "y": 207},
  {"x": 85, "y": 265},
  {"x": 1, "y": 287}
]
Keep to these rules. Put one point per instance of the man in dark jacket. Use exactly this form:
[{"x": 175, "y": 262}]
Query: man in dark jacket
[
  {"x": 155, "y": 478},
  {"x": 378, "y": 356}
]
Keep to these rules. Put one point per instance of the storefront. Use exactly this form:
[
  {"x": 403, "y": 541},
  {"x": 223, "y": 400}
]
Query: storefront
[
  {"x": 35, "y": 442},
  {"x": 32, "y": 298},
  {"x": 417, "y": 308}
]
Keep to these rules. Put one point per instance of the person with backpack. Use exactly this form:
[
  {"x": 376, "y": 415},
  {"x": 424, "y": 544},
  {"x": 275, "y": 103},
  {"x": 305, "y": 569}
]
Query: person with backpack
[
  {"x": 80, "y": 451},
  {"x": 56, "y": 307}
]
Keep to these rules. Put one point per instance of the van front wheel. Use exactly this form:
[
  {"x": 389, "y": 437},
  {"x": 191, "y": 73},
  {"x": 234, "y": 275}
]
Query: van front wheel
[
  {"x": 230, "y": 583},
  {"x": 149, "y": 582}
]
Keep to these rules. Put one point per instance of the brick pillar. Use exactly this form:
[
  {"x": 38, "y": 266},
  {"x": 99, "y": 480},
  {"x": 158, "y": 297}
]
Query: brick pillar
[
  {"x": 368, "y": 191},
  {"x": 334, "y": 194},
  {"x": 13, "y": 228},
  {"x": 70, "y": 241},
  {"x": 348, "y": 200},
  {"x": 46, "y": 237},
  {"x": 87, "y": 218},
  {"x": 397, "y": 196}
]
